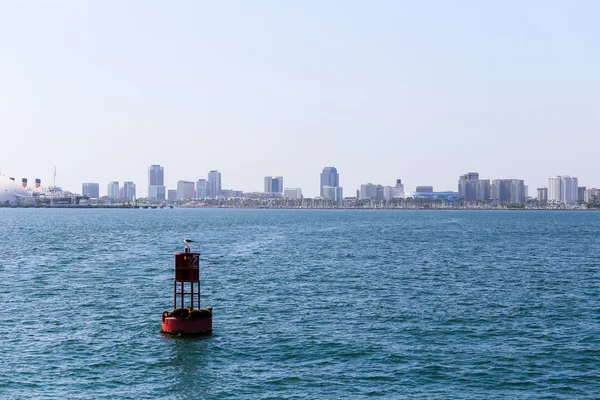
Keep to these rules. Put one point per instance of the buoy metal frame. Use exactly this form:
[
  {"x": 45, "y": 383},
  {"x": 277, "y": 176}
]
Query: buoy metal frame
[{"x": 186, "y": 319}]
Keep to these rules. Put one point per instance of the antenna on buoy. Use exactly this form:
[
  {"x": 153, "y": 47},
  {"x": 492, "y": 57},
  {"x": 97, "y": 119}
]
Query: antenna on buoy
[{"x": 187, "y": 244}]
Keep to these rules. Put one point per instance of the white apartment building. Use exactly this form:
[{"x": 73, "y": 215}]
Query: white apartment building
[{"x": 562, "y": 189}]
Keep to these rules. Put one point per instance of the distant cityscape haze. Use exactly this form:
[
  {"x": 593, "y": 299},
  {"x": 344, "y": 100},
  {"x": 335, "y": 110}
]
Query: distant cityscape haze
[{"x": 421, "y": 91}]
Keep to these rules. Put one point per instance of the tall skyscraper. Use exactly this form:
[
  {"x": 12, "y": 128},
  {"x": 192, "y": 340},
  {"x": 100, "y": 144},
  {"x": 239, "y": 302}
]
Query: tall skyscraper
[
  {"x": 91, "y": 190},
  {"x": 156, "y": 183},
  {"x": 112, "y": 190},
  {"x": 186, "y": 190},
  {"x": 467, "y": 185},
  {"x": 273, "y": 185},
  {"x": 202, "y": 189},
  {"x": 508, "y": 191},
  {"x": 542, "y": 195},
  {"x": 562, "y": 189},
  {"x": 484, "y": 190},
  {"x": 581, "y": 193},
  {"x": 214, "y": 184},
  {"x": 329, "y": 177},
  {"x": 129, "y": 191},
  {"x": 278, "y": 184}
]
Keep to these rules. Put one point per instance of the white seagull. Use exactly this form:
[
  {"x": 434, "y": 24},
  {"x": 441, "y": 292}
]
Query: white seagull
[{"x": 187, "y": 241}]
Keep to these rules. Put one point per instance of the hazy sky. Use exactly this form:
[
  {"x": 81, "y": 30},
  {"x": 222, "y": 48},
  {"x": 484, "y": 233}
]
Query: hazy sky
[{"x": 418, "y": 90}]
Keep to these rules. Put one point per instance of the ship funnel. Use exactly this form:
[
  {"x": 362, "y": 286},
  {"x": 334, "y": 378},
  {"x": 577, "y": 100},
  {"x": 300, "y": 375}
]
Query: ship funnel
[
  {"x": 24, "y": 182},
  {"x": 38, "y": 183}
]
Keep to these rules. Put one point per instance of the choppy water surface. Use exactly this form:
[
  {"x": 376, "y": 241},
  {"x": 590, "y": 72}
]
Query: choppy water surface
[{"x": 307, "y": 304}]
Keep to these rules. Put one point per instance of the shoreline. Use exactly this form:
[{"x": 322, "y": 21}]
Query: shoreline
[{"x": 122, "y": 207}]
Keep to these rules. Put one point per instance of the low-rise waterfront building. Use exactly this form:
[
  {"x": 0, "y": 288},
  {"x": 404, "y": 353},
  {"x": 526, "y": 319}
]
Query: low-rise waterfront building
[
  {"x": 448, "y": 196},
  {"x": 292, "y": 193},
  {"x": 591, "y": 195},
  {"x": 231, "y": 194},
  {"x": 424, "y": 189}
]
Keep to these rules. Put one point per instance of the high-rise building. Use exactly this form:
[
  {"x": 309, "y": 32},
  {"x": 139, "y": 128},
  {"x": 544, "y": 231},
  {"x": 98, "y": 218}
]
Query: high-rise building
[
  {"x": 156, "y": 183},
  {"x": 396, "y": 192},
  {"x": 214, "y": 184},
  {"x": 172, "y": 195},
  {"x": 186, "y": 190},
  {"x": 562, "y": 189},
  {"x": 278, "y": 184},
  {"x": 329, "y": 177},
  {"x": 484, "y": 190},
  {"x": 370, "y": 191},
  {"x": 581, "y": 193},
  {"x": 399, "y": 185},
  {"x": 542, "y": 195},
  {"x": 91, "y": 190},
  {"x": 332, "y": 193},
  {"x": 508, "y": 191},
  {"x": 292, "y": 193},
  {"x": 518, "y": 191},
  {"x": 156, "y": 175},
  {"x": 273, "y": 185},
  {"x": 128, "y": 191},
  {"x": 468, "y": 185},
  {"x": 112, "y": 190},
  {"x": 268, "y": 184},
  {"x": 202, "y": 189}
]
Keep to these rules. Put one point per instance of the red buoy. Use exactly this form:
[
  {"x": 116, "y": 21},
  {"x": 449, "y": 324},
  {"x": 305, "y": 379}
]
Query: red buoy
[{"x": 186, "y": 319}]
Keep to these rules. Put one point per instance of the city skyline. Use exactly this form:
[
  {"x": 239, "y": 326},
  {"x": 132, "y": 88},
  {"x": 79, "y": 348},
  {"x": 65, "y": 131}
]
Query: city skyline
[
  {"x": 563, "y": 189},
  {"x": 424, "y": 91}
]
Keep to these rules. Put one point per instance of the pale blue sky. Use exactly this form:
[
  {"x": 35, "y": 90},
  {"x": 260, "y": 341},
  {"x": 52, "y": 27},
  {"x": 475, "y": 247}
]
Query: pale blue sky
[{"x": 420, "y": 90}]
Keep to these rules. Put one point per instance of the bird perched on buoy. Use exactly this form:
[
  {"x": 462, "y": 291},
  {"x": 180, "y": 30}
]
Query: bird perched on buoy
[{"x": 187, "y": 244}]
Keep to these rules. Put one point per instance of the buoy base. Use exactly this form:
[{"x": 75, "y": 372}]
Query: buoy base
[{"x": 193, "y": 322}]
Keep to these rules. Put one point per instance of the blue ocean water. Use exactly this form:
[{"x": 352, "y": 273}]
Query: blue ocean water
[{"x": 307, "y": 304}]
